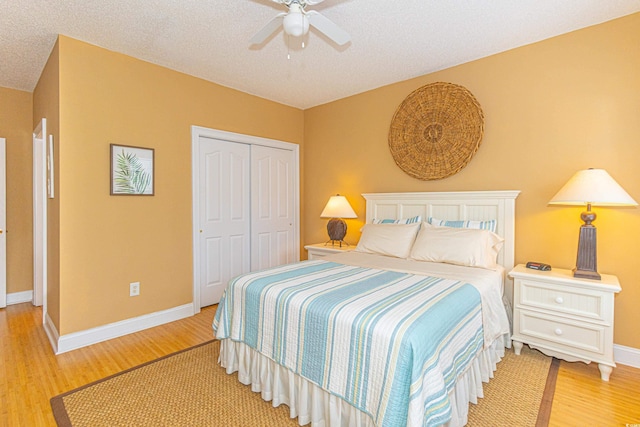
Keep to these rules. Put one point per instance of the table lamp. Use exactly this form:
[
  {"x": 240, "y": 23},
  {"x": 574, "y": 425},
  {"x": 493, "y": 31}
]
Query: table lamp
[
  {"x": 337, "y": 207},
  {"x": 590, "y": 187}
]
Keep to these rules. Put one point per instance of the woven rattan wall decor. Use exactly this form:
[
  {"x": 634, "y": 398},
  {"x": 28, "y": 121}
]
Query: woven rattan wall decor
[{"x": 436, "y": 131}]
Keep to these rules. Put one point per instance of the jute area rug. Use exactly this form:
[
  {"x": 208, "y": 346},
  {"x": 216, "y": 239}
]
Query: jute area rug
[{"x": 189, "y": 388}]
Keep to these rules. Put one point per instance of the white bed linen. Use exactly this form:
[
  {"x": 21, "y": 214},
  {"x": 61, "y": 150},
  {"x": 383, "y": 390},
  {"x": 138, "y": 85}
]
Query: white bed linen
[
  {"x": 312, "y": 404},
  {"x": 489, "y": 283}
]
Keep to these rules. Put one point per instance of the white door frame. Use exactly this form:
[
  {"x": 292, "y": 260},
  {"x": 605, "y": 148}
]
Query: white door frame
[
  {"x": 40, "y": 216},
  {"x": 3, "y": 223},
  {"x": 196, "y": 133}
]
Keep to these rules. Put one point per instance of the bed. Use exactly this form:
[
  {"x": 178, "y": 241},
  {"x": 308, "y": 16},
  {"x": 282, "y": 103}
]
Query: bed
[{"x": 402, "y": 331}]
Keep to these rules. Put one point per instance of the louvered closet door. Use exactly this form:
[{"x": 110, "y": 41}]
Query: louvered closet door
[
  {"x": 224, "y": 215},
  {"x": 272, "y": 207}
]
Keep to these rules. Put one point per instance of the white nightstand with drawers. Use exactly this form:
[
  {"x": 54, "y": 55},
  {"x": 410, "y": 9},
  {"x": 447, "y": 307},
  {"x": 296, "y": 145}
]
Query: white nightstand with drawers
[
  {"x": 564, "y": 316},
  {"x": 321, "y": 250}
]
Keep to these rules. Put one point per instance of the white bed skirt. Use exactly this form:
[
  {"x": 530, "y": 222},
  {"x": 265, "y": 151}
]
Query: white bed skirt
[{"x": 311, "y": 404}]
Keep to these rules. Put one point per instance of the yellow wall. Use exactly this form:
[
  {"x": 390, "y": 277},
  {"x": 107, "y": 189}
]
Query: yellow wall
[
  {"x": 106, "y": 241},
  {"x": 46, "y": 104},
  {"x": 551, "y": 108},
  {"x": 16, "y": 128}
]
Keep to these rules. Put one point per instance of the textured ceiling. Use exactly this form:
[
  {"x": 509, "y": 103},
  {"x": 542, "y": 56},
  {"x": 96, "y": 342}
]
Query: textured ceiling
[{"x": 390, "y": 40}]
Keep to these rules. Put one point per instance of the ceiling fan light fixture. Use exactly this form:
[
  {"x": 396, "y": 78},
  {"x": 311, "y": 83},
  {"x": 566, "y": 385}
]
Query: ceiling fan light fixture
[{"x": 296, "y": 23}]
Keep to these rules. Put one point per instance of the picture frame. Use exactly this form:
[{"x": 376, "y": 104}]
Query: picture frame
[{"x": 132, "y": 170}]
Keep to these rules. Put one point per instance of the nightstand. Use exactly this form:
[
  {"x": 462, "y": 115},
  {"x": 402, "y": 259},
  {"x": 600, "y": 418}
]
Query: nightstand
[
  {"x": 564, "y": 316},
  {"x": 320, "y": 250}
]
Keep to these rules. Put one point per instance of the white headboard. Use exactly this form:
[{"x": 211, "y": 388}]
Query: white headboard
[{"x": 458, "y": 205}]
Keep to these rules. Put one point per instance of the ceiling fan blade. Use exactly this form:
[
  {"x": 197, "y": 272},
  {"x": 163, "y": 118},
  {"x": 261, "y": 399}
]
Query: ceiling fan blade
[
  {"x": 313, "y": 2},
  {"x": 328, "y": 28},
  {"x": 271, "y": 27}
]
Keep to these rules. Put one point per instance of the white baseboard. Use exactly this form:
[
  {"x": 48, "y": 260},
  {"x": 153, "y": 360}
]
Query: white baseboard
[
  {"x": 19, "y": 297},
  {"x": 52, "y": 332},
  {"x": 61, "y": 344},
  {"x": 626, "y": 355},
  {"x": 75, "y": 340}
]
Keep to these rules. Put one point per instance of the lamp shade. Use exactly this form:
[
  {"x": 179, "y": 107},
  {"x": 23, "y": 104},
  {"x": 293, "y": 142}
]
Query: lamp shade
[
  {"x": 595, "y": 187},
  {"x": 338, "y": 207}
]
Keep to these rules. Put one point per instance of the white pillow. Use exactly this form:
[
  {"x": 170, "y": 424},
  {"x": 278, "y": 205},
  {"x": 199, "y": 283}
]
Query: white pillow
[
  {"x": 479, "y": 225},
  {"x": 411, "y": 220},
  {"x": 461, "y": 246},
  {"x": 393, "y": 240}
]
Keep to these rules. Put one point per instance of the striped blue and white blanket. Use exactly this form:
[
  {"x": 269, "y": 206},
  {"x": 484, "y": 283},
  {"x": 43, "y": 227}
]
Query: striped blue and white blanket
[{"x": 391, "y": 344}]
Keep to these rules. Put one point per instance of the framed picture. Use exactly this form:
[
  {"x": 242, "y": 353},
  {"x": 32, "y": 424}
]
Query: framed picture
[{"x": 132, "y": 171}]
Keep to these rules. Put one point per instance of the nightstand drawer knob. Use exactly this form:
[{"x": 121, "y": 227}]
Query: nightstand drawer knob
[
  {"x": 558, "y": 331},
  {"x": 559, "y": 300}
]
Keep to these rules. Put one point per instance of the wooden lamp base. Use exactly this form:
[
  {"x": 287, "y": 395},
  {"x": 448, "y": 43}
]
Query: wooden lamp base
[
  {"x": 337, "y": 229},
  {"x": 587, "y": 260}
]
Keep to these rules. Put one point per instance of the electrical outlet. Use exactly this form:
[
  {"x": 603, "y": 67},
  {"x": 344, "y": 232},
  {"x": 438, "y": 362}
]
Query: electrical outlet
[{"x": 134, "y": 289}]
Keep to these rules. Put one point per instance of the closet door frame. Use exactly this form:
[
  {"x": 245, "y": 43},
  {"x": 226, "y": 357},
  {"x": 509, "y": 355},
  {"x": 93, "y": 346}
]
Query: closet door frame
[{"x": 196, "y": 133}]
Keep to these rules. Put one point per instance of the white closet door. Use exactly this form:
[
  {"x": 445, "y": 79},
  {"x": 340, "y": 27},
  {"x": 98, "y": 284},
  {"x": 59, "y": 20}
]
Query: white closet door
[
  {"x": 224, "y": 215},
  {"x": 272, "y": 207}
]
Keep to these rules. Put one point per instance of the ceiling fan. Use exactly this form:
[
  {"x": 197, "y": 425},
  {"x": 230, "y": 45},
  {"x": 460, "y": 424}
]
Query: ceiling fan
[{"x": 296, "y": 23}]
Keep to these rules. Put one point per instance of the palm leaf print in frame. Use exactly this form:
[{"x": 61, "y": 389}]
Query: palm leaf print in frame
[{"x": 132, "y": 170}]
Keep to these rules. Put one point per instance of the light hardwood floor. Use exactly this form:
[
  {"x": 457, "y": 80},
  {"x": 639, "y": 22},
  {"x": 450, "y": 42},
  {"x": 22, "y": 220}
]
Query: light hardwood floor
[{"x": 30, "y": 374}]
